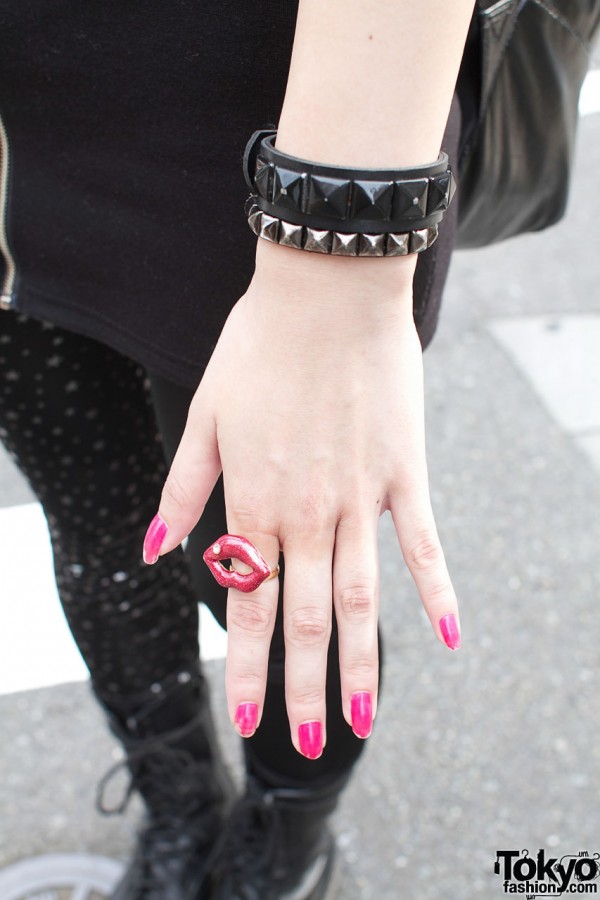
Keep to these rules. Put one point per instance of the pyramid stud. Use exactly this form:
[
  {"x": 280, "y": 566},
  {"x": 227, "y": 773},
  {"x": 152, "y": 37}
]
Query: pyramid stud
[
  {"x": 452, "y": 188},
  {"x": 418, "y": 240},
  {"x": 432, "y": 235},
  {"x": 410, "y": 199},
  {"x": 254, "y": 220},
  {"x": 397, "y": 245},
  {"x": 372, "y": 199},
  {"x": 288, "y": 187},
  {"x": 344, "y": 244},
  {"x": 439, "y": 189},
  {"x": 251, "y": 205},
  {"x": 319, "y": 241},
  {"x": 371, "y": 245},
  {"x": 290, "y": 235},
  {"x": 262, "y": 179},
  {"x": 269, "y": 227},
  {"x": 328, "y": 196}
]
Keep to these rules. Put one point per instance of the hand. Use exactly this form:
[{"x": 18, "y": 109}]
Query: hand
[{"x": 312, "y": 406}]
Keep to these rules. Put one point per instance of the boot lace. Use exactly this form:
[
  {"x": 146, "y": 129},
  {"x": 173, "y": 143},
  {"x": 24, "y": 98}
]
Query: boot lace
[
  {"x": 245, "y": 858},
  {"x": 182, "y": 812}
]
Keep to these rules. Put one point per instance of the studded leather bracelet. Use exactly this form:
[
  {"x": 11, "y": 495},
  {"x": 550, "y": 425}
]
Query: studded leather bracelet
[{"x": 343, "y": 211}]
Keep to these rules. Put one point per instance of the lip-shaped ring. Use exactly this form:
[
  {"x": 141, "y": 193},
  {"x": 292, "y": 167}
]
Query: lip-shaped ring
[{"x": 234, "y": 546}]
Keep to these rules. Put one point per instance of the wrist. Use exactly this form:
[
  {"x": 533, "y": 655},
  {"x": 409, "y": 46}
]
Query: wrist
[
  {"x": 390, "y": 278},
  {"x": 321, "y": 299}
]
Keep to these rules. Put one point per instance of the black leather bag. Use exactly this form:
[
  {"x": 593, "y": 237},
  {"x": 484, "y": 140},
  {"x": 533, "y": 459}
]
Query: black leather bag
[{"x": 519, "y": 136}]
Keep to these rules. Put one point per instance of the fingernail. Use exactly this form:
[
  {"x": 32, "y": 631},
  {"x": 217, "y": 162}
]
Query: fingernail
[
  {"x": 449, "y": 631},
  {"x": 361, "y": 709},
  {"x": 246, "y": 717},
  {"x": 310, "y": 738},
  {"x": 157, "y": 532}
]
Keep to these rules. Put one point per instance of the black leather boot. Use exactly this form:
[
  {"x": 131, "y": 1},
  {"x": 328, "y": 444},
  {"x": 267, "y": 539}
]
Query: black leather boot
[
  {"x": 174, "y": 762},
  {"x": 276, "y": 845}
]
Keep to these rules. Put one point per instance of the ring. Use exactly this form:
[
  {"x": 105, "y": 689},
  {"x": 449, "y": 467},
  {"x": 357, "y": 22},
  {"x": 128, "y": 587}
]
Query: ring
[{"x": 233, "y": 546}]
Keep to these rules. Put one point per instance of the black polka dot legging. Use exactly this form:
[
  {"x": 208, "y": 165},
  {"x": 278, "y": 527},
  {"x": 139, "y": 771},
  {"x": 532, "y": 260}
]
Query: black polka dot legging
[{"x": 94, "y": 433}]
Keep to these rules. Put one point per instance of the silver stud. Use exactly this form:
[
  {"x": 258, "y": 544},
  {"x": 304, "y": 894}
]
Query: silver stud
[
  {"x": 250, "y": 205},
  {"x": 254, "y": 220},
  {"x": 317, "y": 240},
  {"x": 290, "y": 235},
  {"x": 418, "y": 240},
  {"x": 452, "y": 187},
  {"x": 371, "y": 245},
  {"x": 397, "y": 245},
  {"x": 216, "y": 548},
  {"x": 432, "y": 234},
  {"x": 344, "y": 244},
  {"x": 269, "y": 227}
]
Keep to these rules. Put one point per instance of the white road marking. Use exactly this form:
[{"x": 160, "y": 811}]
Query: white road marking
[
  {"x": 560, "y": 357},
  {"x": 589, "y": 99},
  {"x": 36, "y": 647}
]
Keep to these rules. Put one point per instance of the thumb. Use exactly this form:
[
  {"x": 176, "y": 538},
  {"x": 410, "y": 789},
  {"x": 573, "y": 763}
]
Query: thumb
[{"x": 191, "y": 479}]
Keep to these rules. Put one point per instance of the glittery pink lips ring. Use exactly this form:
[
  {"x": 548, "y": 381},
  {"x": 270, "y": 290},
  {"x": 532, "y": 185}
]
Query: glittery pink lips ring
[{"x": 233, "y": 546}]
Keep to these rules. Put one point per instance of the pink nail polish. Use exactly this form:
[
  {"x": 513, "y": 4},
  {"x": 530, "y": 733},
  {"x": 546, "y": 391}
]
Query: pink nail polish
[
  {"x": 246, "y": 717},
  {"x": 310, "y": 738},
  {"x": 361, "y": 709},
  {"x": 449, "y": 631},
  {"x": 157, "y": 532}
]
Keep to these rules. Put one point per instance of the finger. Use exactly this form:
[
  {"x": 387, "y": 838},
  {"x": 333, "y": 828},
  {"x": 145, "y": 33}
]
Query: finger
[
  {"x": 423, "y": 554},
  {"x": 356, "y": 603},
  {"x": 307, "y": 613},
  {"x": 250, "y": 624},
  {"x": 191, "y": 479}
]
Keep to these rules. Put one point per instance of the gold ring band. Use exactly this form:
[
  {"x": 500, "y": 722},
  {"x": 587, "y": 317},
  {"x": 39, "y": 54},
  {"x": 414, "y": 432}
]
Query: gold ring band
[{"x": 274, "y": 572}]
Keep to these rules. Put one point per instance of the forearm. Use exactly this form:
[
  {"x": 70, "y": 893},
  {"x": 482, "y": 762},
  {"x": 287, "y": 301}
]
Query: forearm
[{"x": 370, "y": 83}]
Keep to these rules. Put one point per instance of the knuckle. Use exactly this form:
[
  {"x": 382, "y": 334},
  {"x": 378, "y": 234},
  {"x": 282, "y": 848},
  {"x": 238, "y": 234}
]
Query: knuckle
[
  {"x": 253, "y": 515},
  {"x": 308, "y": 626},
  {"x": 306, "y": 697},
  {"x": 357, "y": 601},
  {"x": 316, "y": 507},
  {"x": 425, "y": 552},
  {"x": 175, "y": 492},
  {"x": 361, "y": 665},
  {"x": 250, "y": 616},
  {"x": 248, "y": 676},
  {"x": 440, "y": 592}
]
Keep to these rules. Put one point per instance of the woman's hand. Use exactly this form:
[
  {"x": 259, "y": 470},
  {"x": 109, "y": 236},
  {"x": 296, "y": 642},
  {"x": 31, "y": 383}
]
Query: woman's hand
[{"x": 312, "y": 405}]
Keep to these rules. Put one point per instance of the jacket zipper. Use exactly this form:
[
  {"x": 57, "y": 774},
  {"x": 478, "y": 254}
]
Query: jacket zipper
[{"x": 7, "y": 296}]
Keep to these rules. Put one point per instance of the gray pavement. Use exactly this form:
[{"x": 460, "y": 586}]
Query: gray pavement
[{"x": 493, "y": 747}]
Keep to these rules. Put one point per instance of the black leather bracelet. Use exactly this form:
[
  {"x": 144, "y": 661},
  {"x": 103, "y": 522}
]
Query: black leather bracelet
[
  {"x": 346, "y": 200},
  {"x": 336, "y": 243}
]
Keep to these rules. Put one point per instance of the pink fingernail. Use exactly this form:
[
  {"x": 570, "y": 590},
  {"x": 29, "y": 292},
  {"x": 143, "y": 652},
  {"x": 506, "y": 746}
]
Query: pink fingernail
[
  {"x": 361, "y": 709},
  {"x": 157, "y": 532},
  {"x": 246, "y": 717},
  {"x": 310, "y": 738},
  {"x": 449, "y": 631}
]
